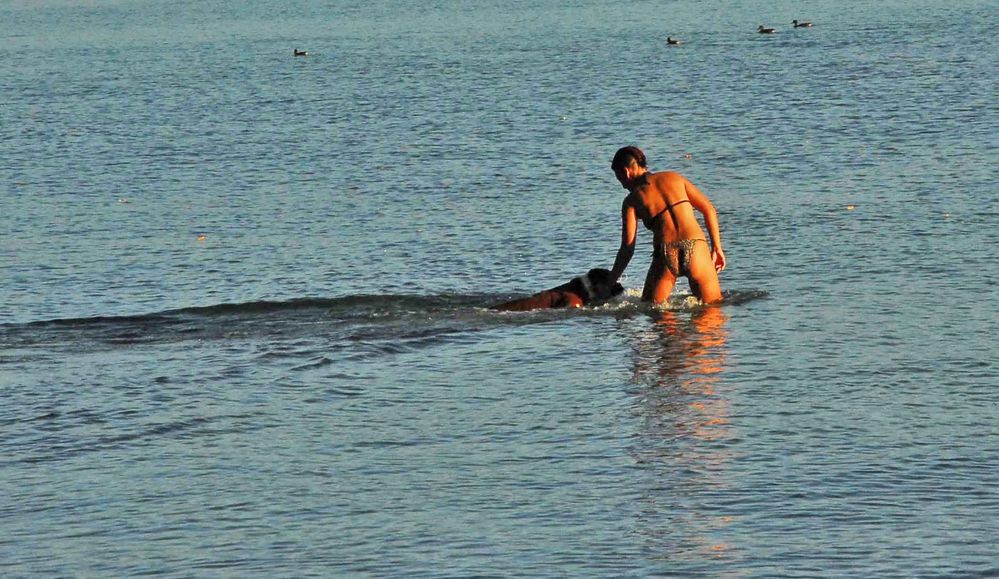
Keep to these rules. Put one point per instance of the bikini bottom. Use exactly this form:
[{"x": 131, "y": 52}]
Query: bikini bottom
[{"x": 677, "y": 255}]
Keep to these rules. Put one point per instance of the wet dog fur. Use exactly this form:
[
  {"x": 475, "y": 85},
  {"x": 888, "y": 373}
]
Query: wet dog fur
[{"x": 581, "y": 291}]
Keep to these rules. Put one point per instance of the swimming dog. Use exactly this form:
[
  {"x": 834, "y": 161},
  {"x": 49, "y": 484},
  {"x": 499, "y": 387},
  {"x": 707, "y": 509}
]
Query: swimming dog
[{"x": 584, "y": 290}]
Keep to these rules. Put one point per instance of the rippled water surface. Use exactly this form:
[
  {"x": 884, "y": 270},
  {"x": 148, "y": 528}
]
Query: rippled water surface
[{"x": 243, "y": 302}]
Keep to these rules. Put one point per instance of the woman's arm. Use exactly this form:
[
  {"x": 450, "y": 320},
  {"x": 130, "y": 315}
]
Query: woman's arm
[
  {"x": 701, "y": 202},
  {"x": 629, "y": 228}
]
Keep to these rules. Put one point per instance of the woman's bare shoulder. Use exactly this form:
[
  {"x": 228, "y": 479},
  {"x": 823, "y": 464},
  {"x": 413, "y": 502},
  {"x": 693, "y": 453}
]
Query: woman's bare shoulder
[{"x": 669, "y": 179}]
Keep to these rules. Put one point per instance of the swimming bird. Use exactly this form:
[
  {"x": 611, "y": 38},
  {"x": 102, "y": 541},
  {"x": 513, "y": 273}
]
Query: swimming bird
[
  {"x": 301, "y": 52},
  {"x": 803, "y": 24},
  {"x": 764, "y": 30},
  {"x": 673, "y": 41}
]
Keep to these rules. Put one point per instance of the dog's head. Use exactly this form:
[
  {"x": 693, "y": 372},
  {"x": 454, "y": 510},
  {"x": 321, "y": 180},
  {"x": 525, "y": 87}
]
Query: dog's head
[{"x": 600, "y": 286}]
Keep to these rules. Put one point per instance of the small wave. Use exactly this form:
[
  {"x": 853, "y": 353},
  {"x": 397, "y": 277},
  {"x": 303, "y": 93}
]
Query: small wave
[
  {"x": 313, "y": 364},
  {"x": 631, "y": 300},
  {"x": 395, "y": 322},
  {"x": 372, "y": 306},
  {"x": 60, "y": 447},
  {"x": 346, "y": 303},
  {"x": 739, "y": 297},
  {"x": 686, "y": 301},
  {"x": 363, "y": 303}
]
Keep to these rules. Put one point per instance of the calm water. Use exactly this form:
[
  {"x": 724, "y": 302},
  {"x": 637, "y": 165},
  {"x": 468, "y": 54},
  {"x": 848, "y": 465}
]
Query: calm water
[{"x": 242, "y": 323}]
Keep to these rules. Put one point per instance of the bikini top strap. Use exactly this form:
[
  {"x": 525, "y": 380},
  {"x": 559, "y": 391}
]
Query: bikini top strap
[
  {"x": 670, "y": 208},
  {"x": 652, "y": 220}
]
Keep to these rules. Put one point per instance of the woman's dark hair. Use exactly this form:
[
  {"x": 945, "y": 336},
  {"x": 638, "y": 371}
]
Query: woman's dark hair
[{"x": 627, "y": 154}]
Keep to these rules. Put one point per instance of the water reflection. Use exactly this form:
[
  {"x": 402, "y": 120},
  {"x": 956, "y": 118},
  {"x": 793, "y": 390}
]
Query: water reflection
[
  {"x": 685, "y": 441},
  {"x": 679, "y": 362}
]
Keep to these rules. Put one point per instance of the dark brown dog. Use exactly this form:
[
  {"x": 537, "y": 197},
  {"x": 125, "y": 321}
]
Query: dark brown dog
[{"x": 593, "y": 287}]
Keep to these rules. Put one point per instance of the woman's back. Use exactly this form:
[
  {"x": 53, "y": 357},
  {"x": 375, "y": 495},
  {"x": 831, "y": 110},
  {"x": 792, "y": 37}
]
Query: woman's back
[{"x": 666, "y": 207}]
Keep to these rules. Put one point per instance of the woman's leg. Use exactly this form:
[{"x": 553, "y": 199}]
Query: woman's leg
[
  {"x": 703, "y": 278},
  {"x": 659, "y": 281}
]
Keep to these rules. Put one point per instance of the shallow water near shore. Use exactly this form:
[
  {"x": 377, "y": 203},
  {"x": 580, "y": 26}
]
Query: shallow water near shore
[{"x": 243, "y": 310}]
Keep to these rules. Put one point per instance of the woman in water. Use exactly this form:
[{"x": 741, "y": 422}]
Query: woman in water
[{"x": 665, "y": 203}]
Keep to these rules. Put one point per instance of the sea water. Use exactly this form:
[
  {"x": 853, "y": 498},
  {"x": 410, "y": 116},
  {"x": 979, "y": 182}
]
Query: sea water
[{"x": 243, "y": 324}]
